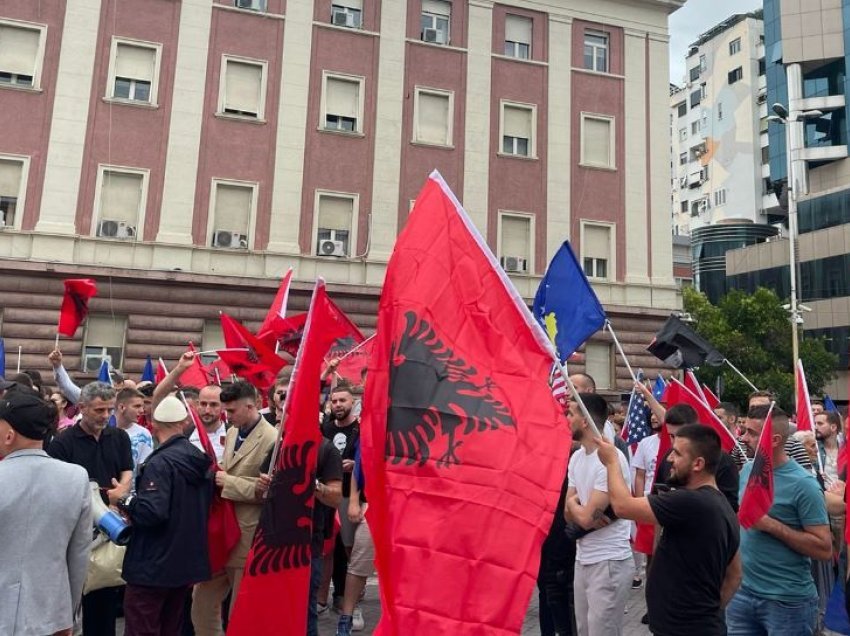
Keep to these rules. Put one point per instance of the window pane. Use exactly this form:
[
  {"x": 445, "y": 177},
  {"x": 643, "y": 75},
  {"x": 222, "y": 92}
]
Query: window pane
[
  {"x": 243, "y": 83},
  {"x": 232, "y": 208},
  {"x": 122, "y": 88},
  {"x": 18, "y": 50},
  {"x": 143, "y": 92}
]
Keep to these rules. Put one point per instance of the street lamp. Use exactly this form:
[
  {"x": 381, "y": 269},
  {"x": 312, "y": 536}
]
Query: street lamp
[{"x": 791, "y": 120}]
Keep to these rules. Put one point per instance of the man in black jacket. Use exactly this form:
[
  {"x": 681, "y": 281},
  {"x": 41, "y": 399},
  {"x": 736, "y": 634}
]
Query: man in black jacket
[{"x": 168, "y": 550}]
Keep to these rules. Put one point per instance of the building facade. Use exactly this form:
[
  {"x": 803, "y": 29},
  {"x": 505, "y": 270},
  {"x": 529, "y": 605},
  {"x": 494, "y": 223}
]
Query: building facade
[
  {"x": 807, "y": 46},
  {"x": 719, "y": 159},
  {"x": 208, "y": 145}
]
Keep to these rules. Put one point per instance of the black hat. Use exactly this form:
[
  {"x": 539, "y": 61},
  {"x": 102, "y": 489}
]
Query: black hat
[{"x": 27, "y": 413}]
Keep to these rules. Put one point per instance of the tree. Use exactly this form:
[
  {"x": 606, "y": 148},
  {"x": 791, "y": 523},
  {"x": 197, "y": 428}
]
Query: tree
[{"x": 754, "y": 332}]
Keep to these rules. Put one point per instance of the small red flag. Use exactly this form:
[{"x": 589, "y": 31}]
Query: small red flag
[
  {"x": 275, "y": 585},
  {"x": 805, "y": 416},
  {"x": 758, "y": 495},
  {"x": 664, "y": 446},
  {"x": 75, "y": 304},
  {"x": 678, "y": 393},
  {"x": 248, "y": 356},
  {"x": 161, "y": 371},
  {"x": 223, "y": 531},
  {"x": 460, "y": 425},
  {"x": 278, "y": 309},
  {"x": 217, "y": 370},
  {"x": 692, "y": 384},
  {"x": 195, "y": 375},
  {"x": 355, "y": 361},
  {"x": 712, "y": 400}
]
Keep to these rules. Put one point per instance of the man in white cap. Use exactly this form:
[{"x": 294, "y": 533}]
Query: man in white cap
[
  {"x": 167, "y": 553},
  {"x": 45, "y": 551}
]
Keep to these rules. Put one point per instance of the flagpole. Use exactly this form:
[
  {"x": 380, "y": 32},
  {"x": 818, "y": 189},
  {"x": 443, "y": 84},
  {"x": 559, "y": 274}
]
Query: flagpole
[
  {"x": 593, "y": 429},
  {"x": 56, "y": 344},
  {"x": 212, "y": 351},
  {"x": 343, "y": 357},
  {"x": 20, "y": 348},
  {"x": 620, "y": 349},
  {"x": 743, "y": 377}
]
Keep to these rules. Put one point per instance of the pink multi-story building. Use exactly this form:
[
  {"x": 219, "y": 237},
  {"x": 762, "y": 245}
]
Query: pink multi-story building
[{"x": 186, "y": 153}]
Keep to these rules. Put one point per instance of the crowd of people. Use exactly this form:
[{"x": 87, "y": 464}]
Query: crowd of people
[{"x": 661, "y": 514}]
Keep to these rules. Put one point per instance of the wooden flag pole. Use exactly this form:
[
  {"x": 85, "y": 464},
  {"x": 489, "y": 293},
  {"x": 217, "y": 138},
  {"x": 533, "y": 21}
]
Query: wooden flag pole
[
  {"x": 344, "y": 356},
  {"x": 20, "y": 348},
  {"x": 743, "y": 377},
  {"x": 562, "y": 368}
]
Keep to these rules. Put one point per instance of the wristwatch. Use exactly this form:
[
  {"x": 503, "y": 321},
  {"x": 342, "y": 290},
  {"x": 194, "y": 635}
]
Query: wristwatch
[{"x": 124, "y": 502}]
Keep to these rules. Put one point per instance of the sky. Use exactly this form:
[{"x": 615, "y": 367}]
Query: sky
[{"x": 695, "y": 18}]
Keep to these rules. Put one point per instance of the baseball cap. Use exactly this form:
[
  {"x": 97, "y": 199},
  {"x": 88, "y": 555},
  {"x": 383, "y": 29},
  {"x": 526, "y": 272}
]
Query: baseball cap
[{"x": 27, "y": 413}]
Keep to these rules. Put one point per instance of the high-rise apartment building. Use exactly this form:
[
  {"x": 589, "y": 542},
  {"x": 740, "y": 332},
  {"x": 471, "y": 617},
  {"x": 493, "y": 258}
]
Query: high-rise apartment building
[
  {"x": 721, "y": 189},
  {"x": 807, "y": 46},
  {"x": 186, "y": 153}
]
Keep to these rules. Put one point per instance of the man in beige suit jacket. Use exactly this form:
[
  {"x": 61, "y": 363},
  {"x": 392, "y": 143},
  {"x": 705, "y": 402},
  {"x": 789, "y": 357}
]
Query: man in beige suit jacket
[{"x": 248, "y": 444}]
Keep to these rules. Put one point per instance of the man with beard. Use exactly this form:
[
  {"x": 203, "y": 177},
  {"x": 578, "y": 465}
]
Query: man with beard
[
  {"x": 604, "y": 565},
  {"x": 342, "y": 428},
  {"x": 778, "y": 594},
  {"x": 827, "y": 428},
  {"x": 209, "y": 411},
  {"x": 104, "y": 451},
  {"x": 696, "y": 568}
]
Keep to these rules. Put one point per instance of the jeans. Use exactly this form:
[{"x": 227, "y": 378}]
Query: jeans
[
  {"x": 315, "y": 582},
  {"x": 750, "y": 615}
]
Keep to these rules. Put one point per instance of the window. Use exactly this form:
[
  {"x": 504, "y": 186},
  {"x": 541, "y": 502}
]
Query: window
[
  {"x": 518, "y": 127},
  {"x": 596, "y": 250},
  {"x": 253, "y": 5},
  {"x": 683, "y": 134},
  {"x": 719, "y": 197},
  {"x": 682, "y": 109},
  {"x": 12, "y": 176},
  {"x": 703, "y": 173},
  {"x": 696, "y": 97},
  {"x": 232, "y": 204},
  {"x": 683, "y": 207},
  {"x": 343, "y": 104},
  {"x": 121, "y": 202},
  {"x": 693, "y": 74},
  {"x": 518, "y": 36},
  {"x": 597, "y": 141},
  {"x": 20, "y": 54},
  {"x": 104, "y": 340},
  {"x": 683, "y": 158},
  {"x": 735, "y": 46},
  {"x": 133, "y": 72},
  {"x": 702, "y": 63},
  {"x": 702, "y": 91},
  {"x": 335, "y": 224},
  {"x": 515, "y": 234},
  {"x": 211, "y": 339},
  {"x": 719, "y": 111},
  {"x": 243, "y": 89},
  {"x": 433, "y": 116},
  {"x": 765, "y": 155},
  {"x": 736, "y": 75},
  {"x": 694, "y": 127},
  {"x": 347, "y": 14},
  {"x": 599, "y": 363},
  {"x": 762, "y": 68},
  {"x": 596, "y": 51},
  {"x": 436, "y": 16}
]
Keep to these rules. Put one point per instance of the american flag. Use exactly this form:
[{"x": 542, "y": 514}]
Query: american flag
[
  {"x": 637, "y": 424},
  {"x": 559, "y": 386}
]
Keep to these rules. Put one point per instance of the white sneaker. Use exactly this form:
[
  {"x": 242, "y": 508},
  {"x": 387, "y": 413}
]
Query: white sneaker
[{"x": 357, "y": 622}]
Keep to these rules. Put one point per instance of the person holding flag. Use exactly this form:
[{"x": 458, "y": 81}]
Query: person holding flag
[{"x": 778, "y": 594}]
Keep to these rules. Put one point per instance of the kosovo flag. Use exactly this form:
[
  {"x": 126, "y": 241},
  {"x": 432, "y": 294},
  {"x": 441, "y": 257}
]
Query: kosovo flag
[
  {"x": 565, "y": 305},
  {"x": 2, "y": 357},
  {"x": 148, "y": 374}
]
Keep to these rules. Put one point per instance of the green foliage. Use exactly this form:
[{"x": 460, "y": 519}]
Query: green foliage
[{"x": 753, "y": 331}]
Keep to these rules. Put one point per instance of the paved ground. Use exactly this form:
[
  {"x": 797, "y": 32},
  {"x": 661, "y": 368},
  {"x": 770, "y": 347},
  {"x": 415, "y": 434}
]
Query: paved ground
[{"x": 372, "y": 609}]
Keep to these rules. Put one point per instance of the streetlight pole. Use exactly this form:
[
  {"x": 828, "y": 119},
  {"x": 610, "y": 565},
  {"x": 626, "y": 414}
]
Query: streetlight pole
[{"x": 790, "y": 120}]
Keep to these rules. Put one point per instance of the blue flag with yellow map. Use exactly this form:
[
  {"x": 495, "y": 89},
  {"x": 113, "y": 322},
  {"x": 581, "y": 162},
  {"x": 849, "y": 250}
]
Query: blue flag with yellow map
[{"x": 565, "y": 304}]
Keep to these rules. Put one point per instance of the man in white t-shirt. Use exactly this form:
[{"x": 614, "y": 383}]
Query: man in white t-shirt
[
  {"x": 604, "y": 564},
  {"x": 129, "y": 406},
  {"x": 209, "y": 410}
]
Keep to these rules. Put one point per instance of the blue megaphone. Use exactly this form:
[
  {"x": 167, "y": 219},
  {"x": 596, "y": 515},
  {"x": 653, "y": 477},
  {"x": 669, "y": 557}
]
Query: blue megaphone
[{"x": 108, "y": 521}]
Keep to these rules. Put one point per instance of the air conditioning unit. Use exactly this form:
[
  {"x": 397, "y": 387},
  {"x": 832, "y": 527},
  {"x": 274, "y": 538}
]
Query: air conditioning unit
[
  {"x": 226, "y": 238},
  {"x": 93, "y": 361},
  {"x": 255, "y": 5},
  {"x": 432, "y": 35},
  {"x": 116, "y": 229},
  {"x": 514, "y": 264},
  {"x": 342, "y": 18},
  {"x": 330, "y": 247}
]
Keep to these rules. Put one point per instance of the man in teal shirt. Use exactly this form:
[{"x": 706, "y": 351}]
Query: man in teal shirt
[{"x": 777, "y": 594}]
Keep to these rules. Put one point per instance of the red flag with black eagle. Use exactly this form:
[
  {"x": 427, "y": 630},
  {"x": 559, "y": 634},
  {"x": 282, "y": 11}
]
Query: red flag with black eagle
[
  {"x": 75, "y": 304},
  {"x": 223, "y": 531},
  {"x": 196, "y": 375},
  {"x": 464, "y": 447},
  {"x": 758, "y": 495},
  {"x": 248, "y": 356},
  {"x": 277, "y": 311},
  {"x": 678, "y": 393},
  {"x": 275, "y": 585}
]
